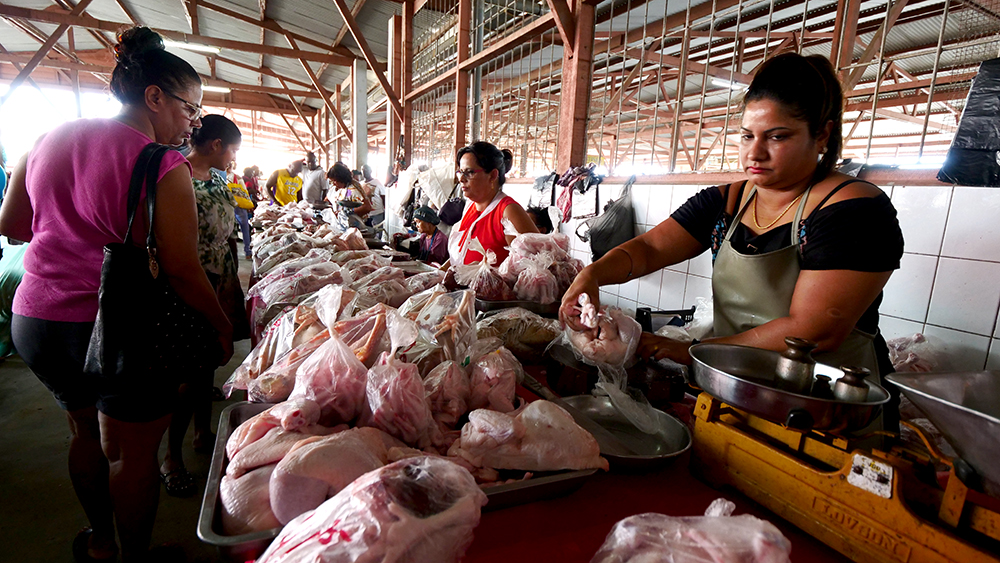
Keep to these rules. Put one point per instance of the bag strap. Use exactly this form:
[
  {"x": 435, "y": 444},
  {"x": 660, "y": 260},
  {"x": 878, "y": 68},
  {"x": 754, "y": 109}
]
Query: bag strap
[
  {"x": 152, "y": 172},
  {"x": 135, "y": 186}
]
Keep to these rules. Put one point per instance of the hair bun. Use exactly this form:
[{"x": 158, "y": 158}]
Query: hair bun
[
  {"x": 508, "y": 159},
  {"x": 135, "y": 41}
]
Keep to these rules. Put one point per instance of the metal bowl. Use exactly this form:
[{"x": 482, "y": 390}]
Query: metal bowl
[
  {"x": 652, "y": 450},
  {"x": 745, "y": 377}
]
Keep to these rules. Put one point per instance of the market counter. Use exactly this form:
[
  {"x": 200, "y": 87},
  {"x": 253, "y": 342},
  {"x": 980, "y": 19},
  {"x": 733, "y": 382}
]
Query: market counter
[{"x": 572, "y": 528}]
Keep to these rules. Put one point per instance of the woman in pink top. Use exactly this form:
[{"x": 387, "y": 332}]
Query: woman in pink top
[{"x": 69, "y": 217}]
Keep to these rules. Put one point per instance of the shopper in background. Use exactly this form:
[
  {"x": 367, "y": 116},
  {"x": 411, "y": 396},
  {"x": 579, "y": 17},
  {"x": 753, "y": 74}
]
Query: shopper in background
[
  {"x": 285, "y": 185},
  {"x": 244, "y": 204},
  {"x": 68, "y": 198},
  {"x": 481, "y": 171},
  {"x": 313, "y": 181},
  {"x": 349, "y": 198},
  {"x": 214, "y": 147},
  {"x": 376, "y": 194},
  {"x": 433, "y": 243},
  {"x": 251, "y": 178}
]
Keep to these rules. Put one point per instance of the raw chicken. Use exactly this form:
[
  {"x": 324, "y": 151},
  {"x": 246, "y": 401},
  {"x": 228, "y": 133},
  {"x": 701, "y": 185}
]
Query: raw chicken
[
  {"x": 534, "y": 243},
  {"x": 365, "y": 333},
  {"x": 246, "y": 502},
  {"x": 315, "y": 469},
  {"x": 536, "y": 283},
  {"x": 424, "y": 281},
  {"x": 417, "y": 510},
  {"x": 565, "y": 273},
  {"x": 273, "y": 446},
  {"x": 448, "y": 322},
  {"x": 415, "y": 303},
  {"x": 397, "y": 403},
  {"x": 484, "y": 278},
  {"x": 613, "y": 342},
  {"x": 354, "y": 240},
  {"x": 276, "y": 384},
  {"x": 522, "y": 332},
  {"x": 494, "y": 379},
  {"x": 334, "y": 381},
  {"x": 392, "y": 292},
  {"x": 588, "y": 313},
  {"x": 543, "y": 437},
  {"x": 447, "y": 387},
  {"x": 656, "y": 538}
]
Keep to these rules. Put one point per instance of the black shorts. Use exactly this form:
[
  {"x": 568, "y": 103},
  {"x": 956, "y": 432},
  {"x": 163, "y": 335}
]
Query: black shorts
[{"x": 55, "y": 351}]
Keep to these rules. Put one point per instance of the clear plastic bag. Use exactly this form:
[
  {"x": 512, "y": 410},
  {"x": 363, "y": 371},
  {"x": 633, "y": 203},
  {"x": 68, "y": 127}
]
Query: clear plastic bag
[
  {"x": 334, "y": 379},
  {"x": 354, "y": 240},
  {"x": 366, "y": 333},
  {"x": 700, "y": 326},
  {"x": 276, "y": 383},
  {"x": 914, "y": 353},
  {"x": 536, "y": 283},
  {"x": 447, "y": 388},
  {"x": 424, "y": 281},
  {"x": 716, "y": 537},
  {"x": 524, "y": 333},
  {"x": 483, "y": 278},
  {"x": 447, "y": 328},
  {"x": 415, "y": 303},
  {"x": 494, "y": 376},
  {"x": 416, "y": 509}
]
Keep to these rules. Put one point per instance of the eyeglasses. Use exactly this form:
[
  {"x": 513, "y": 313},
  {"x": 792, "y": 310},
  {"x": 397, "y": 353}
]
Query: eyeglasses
[
  {"x": 466, "y": 174},
  {"x": 194, "y": 110}
]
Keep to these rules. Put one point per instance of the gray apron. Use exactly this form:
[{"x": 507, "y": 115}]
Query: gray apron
[{"x": 750, "y": 290}]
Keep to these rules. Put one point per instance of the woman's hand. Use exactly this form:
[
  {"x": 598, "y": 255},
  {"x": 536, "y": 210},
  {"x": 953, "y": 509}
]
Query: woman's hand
[
  {"x": 569, "y": 310},
  {"x": 658, "y": 347}
]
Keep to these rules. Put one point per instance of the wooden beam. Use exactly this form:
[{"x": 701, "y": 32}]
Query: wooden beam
[
  {"x": 564, "y": 21},
  {"x": 319, "y": 87},
  {"x": 298, "y": 111},
  {"x": 88, "y": 22},
  {"x": 407, "y": 51},
  {"x": 358, "y": 4},
  {"x": 191, "y": 13},
  {"x": 916, "y": 84},
  {"x": 262, "y": 5},
  {"x": 533, "y": 29},
  {"x": 44, "y": 50},
  {"x": 574, "y": 107},
  {"x": 373, "y": 63},
  {"x": 873, "y": 45},
  {"x": 461, "y": 76},
  {"x": 291, "y": 128},
  {"x": 394, "y": 125},
  {"x": 123, "y": 4}
]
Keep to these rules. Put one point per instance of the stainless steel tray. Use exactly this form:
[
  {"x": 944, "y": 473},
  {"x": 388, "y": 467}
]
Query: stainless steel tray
[
  {"x": 651, "y": 450},
  {"x": 965, "y": 407},
  {"x": 247, "y": 547},
  {"x": 744, "y": 378}
]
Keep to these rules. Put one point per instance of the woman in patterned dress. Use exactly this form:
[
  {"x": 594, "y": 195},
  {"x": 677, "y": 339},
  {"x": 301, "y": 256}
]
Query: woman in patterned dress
[{"x": 214, "y": 146}]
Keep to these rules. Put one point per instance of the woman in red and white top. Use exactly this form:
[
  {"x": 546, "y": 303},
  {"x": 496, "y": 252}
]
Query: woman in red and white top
[{"x": 481, "y": 169}]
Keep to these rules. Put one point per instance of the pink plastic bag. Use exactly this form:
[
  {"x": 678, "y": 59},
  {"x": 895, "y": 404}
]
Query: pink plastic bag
[
  {"x": 536, "y": 283},
  {"x": 483, "y": 278},
  {"x": 495, "y": 374},
  {"x": 335, "y": 380}
]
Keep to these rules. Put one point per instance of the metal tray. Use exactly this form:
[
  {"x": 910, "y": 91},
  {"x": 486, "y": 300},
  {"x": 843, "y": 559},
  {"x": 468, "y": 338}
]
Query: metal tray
[
  {"x": 652, "y": 451},
  {"x": 247, "y": 547},
  {"x": 550, "y": 310},
  {"x": 743, "y": 377},
  {"x": 964, "y": 407}
]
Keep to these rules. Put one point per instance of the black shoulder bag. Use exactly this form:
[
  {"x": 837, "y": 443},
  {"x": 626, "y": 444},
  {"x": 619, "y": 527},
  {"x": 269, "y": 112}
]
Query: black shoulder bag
[
  {"x": 143, "y": 327},
  {"x": 613, "y": 227}
]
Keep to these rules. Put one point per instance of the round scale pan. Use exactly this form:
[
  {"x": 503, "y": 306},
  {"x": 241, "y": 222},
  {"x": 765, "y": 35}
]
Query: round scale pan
[{"x": 652, "y": 450}]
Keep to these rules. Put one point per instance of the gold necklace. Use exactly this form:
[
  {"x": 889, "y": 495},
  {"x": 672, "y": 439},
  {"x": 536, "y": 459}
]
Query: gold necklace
[{"x": 771, "y": 224}]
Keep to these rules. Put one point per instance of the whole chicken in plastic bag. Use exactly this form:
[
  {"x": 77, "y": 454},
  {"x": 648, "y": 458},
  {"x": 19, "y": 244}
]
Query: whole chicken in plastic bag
[
  {"x": 483, "y": 278},
  {"x": 716, "y": 537},
  {"x": 495, "y": 374},
  {"x": 613, "y": 341},
  {"x": 416, "y": 510},
  {"x": 536, "y": 283},
  {"x": 335, "y": 380}
]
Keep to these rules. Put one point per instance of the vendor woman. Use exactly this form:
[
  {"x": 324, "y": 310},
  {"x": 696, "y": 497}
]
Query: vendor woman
[
  {"x": 481, "y": 169},
  {"x": 798, "y": 249},
  {"x": 433, "y": 242}
]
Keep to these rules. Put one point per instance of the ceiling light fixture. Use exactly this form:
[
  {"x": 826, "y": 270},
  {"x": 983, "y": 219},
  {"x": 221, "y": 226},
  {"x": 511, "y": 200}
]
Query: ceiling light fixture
[
  {"x": 191, "y": 47},
  {"x": 727, "y": 84},
  {"x": 219, "y": 89}
]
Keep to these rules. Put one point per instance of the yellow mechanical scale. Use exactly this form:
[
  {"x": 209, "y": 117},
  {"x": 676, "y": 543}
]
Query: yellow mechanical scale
[{"x": 872, "y": 499}]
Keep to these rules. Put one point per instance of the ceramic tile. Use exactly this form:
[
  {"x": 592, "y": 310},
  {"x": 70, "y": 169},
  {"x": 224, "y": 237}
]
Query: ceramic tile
[
  {"x": 682, "y": 194},
  {"x": 608, "y": 298},
  {"x": 973, "y": 230},
  {"x": 659, "y": 205},
  {"x": 908, "y": 292},
  {"x": 701, "y": 265},
  {"x": 922, "y": 212},
  {"x": 628, "y": 306},
  {"x": 961, "y": 351},
  {"x": 993, "y": 359},
  {"x": 672, "y": 290},
  {"x": 640, "y": 203},
  {"x": 892, "y": 327},
  {"x": 629, "y": 290},
  {"x": 659, "y": 199},
  {"x": 697, "y": 287},
  {"x": 965, "y": 295},
  {"x": 649, "y": 289}
]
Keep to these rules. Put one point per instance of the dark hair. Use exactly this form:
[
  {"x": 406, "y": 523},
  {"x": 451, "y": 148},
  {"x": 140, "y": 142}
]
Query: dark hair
[
  {"x": 540, "y": 216},
  {"x": 809, "y": 89},
  {"x": 216, "y": 127},
  {"x": 339, "y": 172},
  {"x": 143, "y": 62},
  {"x": 489, "y": 158},
  {"x": 367, "y": 171}
]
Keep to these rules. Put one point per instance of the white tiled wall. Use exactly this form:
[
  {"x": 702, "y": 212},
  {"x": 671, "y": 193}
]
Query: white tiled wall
[{"x": 948, "y": 285}]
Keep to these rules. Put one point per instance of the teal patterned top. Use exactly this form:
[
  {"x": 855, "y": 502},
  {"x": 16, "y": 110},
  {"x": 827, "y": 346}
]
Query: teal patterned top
[{"x": 216, "y": 217}]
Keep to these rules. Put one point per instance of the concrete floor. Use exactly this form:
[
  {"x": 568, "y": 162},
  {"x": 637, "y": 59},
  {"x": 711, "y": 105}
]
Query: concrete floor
[{"x": 39, "y": 513}]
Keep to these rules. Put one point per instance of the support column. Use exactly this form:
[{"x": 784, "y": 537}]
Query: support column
[
  {"x": 340, "y": 132},
  {"x": 478, "y": 14},
  {"x": 462, "y": 77},
  {"x": 574, "y": 107},
  {"x": 359, "y": 113},
  {"x": 407, "y": 86},
  {"x": 392, "y": 123},
  {"x": 845, "y": 29}
]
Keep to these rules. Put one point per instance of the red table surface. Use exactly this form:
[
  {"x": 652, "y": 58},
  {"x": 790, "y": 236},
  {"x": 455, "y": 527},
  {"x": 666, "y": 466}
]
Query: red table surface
[{"x": 572, "y": 528}]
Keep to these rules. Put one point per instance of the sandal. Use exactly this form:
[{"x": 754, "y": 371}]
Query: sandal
[
  {"x": 179, "y": 483},
  {"x": 80, "y": 549}
]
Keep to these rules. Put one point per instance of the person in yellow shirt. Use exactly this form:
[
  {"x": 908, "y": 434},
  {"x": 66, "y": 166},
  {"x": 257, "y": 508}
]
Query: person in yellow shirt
[{"x": 285, "y": 185}]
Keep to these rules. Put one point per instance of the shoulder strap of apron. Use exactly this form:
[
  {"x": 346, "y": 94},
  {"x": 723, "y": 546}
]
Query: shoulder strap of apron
[{"x": 798, "y": 215}]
